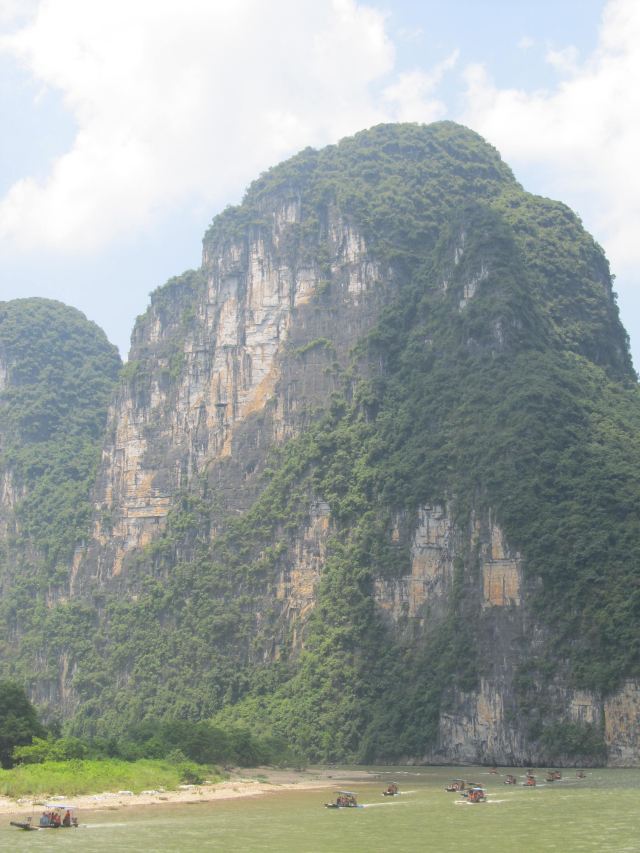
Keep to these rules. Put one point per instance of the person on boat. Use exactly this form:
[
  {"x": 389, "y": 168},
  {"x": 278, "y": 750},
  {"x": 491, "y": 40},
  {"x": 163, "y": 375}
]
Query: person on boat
[
  {"x": 55, "y": 819},
  {"x": 66, "y": 820},
  {"x": 45, "y": 819},
  {"x": 392, "y": 788}
]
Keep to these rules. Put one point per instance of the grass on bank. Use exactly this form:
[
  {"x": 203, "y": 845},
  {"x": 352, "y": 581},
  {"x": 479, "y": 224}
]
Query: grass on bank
[{"x": 72, "y": 778}]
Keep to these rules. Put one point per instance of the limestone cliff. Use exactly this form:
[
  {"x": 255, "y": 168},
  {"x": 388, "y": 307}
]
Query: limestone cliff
[
  {"x": 369, "y": 477},
  {"x": 486, "y": 724},
  {"x": 240, "y": 338}
]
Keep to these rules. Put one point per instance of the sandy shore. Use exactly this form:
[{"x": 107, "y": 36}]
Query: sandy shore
[{"x": 248, "y": 782}]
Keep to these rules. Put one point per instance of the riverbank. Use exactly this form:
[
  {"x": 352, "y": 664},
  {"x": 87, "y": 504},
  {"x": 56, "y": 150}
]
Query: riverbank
[{"x": 247, "y": 782}]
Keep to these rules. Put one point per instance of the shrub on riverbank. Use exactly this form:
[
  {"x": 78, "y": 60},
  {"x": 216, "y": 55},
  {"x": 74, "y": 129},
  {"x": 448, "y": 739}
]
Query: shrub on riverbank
[
  {"x": 71, "y": 778},
  {"x": 198, "y": 742}
]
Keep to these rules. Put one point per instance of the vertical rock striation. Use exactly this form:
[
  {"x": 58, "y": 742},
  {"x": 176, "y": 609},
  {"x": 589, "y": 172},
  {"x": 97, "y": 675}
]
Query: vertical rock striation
[{"x": 254, "y": 329}]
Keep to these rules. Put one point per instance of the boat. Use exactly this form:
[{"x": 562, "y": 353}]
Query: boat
[
  {"x": 530, "y": 781},
  {"x": 391, "y": 790},
  {"x": 456, "y": 785},
  {"x": 26, "y": 825},
  {"x": 476, "y": 794},
  {"x": 553, "y": 776},
  {"x": 52, "y": 817},
  {"x": 344, "y": 800},
  {"x": 510, "y": 780}
]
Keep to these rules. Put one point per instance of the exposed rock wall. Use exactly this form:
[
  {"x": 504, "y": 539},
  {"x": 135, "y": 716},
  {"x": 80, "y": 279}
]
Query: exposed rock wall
[
  {"x": 243, "y": 354},
  {"x": 9, "y": 498},
  {"x": 434, "y": 546},
  {"x": 265, "y": 329},
  {"x": 4, "y": 374},
  {"x": 432, "y": 553},
  {"x": 264, "y": 342},
  {"x": 297, "y": 582},
  {"x": 622, "y": 726},
  {"x": 486, "y": 725}
]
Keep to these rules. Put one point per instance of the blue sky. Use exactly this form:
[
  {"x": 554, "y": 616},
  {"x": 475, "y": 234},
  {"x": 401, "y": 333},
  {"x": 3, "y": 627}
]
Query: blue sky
[{"x": 128, "y": 126}]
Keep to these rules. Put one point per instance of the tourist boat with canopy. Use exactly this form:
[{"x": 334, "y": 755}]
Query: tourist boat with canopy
[
  {"x": 476, "y": 794},
  {"x": 456, "y": 785},
  {"x": 52, "y": 817},
  {"x": 344, "y": 800}
]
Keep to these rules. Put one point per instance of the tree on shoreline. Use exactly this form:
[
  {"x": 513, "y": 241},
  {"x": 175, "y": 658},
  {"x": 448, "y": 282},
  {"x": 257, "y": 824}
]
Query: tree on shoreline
[{"x": 18, "y": 721}]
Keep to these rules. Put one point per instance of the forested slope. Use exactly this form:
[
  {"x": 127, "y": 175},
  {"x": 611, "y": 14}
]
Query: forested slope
[
  {"x": 57, "y": 374},
  {"x": 397, "y": 377}
]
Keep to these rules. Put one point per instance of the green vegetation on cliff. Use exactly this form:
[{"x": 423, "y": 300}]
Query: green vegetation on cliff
[
  {"x": 483, "y": 408},
  {"x": 496, "y": 380},
  {"x": 58, "y": 372},
  {"x": 61, "y": 372}
]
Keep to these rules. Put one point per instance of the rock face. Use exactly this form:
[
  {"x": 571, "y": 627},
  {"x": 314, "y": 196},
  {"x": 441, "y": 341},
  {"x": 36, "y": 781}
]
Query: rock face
[
  {"x": 246, "y": 339},
  {"x": 484, "y": 726},
  {"x": 9, "y": 499},
  {"x": 621, "y": 717},
  {"x": 432, "y": 572},
  {"x": 256, "y": 513}
]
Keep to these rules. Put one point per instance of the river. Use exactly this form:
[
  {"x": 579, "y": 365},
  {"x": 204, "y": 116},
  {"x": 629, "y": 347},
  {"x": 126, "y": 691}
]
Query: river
[{"x": 600, "y": 813}]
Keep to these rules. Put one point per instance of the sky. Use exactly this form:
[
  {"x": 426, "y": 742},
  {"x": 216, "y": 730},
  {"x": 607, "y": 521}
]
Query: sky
[{"x": 127, "y": 125}]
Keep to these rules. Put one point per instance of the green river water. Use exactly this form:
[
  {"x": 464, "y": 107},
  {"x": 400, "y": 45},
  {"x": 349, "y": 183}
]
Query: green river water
[{"x": 600, "y": 813}]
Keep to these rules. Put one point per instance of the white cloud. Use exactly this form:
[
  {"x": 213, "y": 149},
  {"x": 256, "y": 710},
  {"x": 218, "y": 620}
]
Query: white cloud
[
  {"x": 584, "y": 134},
  {"x": 412, "y": 94},
  {"x": 564, "y": 60},
  {"x": 175, "y": 99},
  {"x": 410, "y": 34},
  {"x": 178, "y": 100},
  {"x": 525, "y": 43},
  {"x": 12, "y": 12}
]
